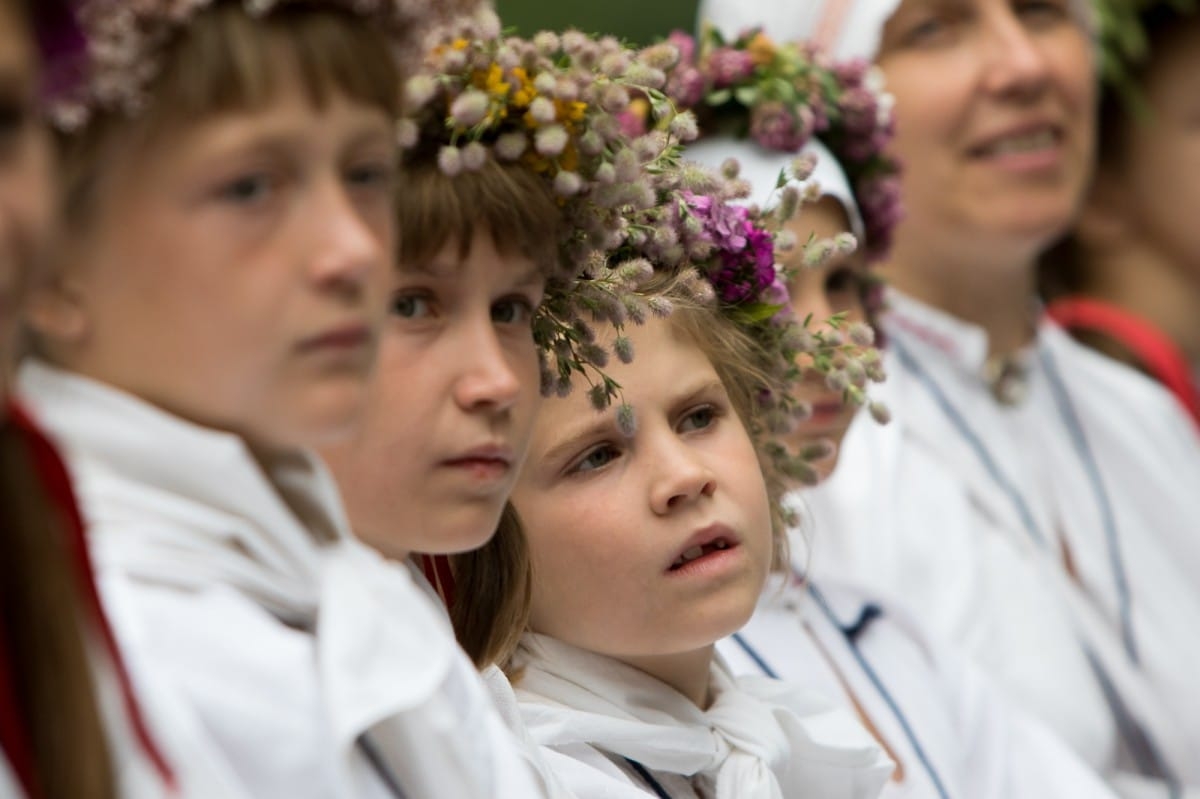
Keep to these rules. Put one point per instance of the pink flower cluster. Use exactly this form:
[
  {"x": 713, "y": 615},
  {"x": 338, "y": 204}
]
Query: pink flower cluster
[
  {"x": 783, "y": 95},
  {"x": 745, "y": 269}
]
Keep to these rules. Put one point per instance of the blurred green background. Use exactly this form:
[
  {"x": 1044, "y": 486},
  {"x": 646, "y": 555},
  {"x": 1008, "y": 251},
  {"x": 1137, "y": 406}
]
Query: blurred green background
[{"x": 638, "y": 21}]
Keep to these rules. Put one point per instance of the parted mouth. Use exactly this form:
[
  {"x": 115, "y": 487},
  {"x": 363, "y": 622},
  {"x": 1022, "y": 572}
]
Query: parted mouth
[
  {"x": 1024, "y": 139},
  {"x": 714, "y": 538}
]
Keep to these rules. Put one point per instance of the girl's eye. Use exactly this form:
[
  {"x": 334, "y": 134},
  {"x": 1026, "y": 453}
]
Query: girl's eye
[
  {"x": 512, "y": 311},
  {"x": 699, "y": 419},
  {"x": 598, "y": 458},
  {"x": 15, "y": 116},
  {"x": 411, "y": 306},
  {"x": 372, "y": 175},
  {"x": 247, "y": 190}
]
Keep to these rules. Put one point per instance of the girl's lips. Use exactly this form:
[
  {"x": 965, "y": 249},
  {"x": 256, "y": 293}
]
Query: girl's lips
[
  {"x": 347, "y": 337},
  {"x": 703, "y": 544}
]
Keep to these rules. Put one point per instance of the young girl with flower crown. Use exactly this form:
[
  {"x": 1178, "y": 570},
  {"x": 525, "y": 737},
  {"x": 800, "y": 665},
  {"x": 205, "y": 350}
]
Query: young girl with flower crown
[
  {"x": 947, "y": 728},
  {"x": 650, "y": 531},
  {"x": 1022, "y": 509},
  {"x": 188, "y": 362}
]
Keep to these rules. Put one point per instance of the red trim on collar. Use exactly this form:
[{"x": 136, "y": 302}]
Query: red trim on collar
[
  {"x": 57, "y": 483},
  {"x": 1158, "y": 353},
  {"x": 437, "y": 572}
]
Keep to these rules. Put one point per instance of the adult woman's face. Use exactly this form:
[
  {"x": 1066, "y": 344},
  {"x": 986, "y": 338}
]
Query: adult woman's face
[{"x": 995, "y": 122}]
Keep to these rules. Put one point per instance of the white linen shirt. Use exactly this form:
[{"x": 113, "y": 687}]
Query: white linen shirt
[
  {"x": 314, "y": 670},
  {"x": 940, "y": 717},
  {"x": 916, "y": 510}
]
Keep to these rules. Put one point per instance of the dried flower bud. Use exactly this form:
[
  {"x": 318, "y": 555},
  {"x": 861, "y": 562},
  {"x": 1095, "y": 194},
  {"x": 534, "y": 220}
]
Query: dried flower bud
[
  {"x": 880, "y": 412},
  {"x": 567, "y": 184},
  {"x": 684, "y": 127},
  {"x": 546, "y": 42},
  {"x": 598, "y": 396},
  {"x": 542, "y": 110},
  {"x": 730, "y": 168},
  {"x": 419, "y": 90},
  {"x": 474, "y": 156},
  {"x": 837, "y": 381},
  {"x": 861, "y": 335},
  {"x": 802, "y": 166},
  {"x": 545, "y": 83},
  {"x": 660, "y": 307},
  {"x": 591, "y": 143},
  {"x": 789, "y": 202},
  {"x": 606, "y": 174},
  {"x": 624, "y": 349},
  {"x": 450, "y": 161},
  {"x": 845, "y": 244},
  {"x": 469, "y": 108},
  {"x": 551, "y": 141},
  {"x": 626, "y": 420},
  {"x": 614, "y": 64},
  {"x": 511, "y": 146},
  {"x": 614, "y": 99},
  {"x": 407, "y": 134}
]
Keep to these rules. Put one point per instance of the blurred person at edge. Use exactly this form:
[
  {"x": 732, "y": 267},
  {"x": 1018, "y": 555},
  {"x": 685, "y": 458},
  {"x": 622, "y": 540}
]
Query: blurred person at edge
[
  {"x": 1127, "y": 279},
  {"x": 70, "y": 725}
]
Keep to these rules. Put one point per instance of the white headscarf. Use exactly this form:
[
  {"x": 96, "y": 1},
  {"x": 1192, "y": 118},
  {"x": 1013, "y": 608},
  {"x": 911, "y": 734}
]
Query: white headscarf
[
  {"x": 761, "y": 167},
  {"x": 845, "y": 28}
]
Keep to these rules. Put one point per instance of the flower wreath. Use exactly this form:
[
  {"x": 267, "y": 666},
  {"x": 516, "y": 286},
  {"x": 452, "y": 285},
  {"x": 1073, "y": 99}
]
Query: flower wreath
[
  {"x": 107, "y": 56},
  {"x": 632, "y": 204},
  {"x": 783, "y": 95}
]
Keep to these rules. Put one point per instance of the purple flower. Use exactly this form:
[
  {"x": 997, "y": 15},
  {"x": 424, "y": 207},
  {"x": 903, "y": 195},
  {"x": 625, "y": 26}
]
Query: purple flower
[
  {"x": 860, "y": 111},
  {"x": 851, "y": 72},
  {"x": 685, "y": 44},
  {"x": 728, "y": 66},
  {"x": 686, "y": 86},
  {"x": 777, "y": 127}
]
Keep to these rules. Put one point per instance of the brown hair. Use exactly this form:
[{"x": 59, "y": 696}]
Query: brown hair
[
  {"x": 41, "y": 617},
  {"x": 227, "y": 60},
  {"x": 493, "y": 585},
  {"x": 511, "y": 202}
]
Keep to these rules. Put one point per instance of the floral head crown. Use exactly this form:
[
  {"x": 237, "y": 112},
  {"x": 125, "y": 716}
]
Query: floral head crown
[
  {"x": 551, "y": 104},
  {"x": 782, "y": 96},
  {"x": 633, "y": 206},
  {"x": 117, "y": 55}
]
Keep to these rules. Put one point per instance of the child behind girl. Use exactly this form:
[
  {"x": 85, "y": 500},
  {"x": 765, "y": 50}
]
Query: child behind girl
[{"x": 948, "y": 729}]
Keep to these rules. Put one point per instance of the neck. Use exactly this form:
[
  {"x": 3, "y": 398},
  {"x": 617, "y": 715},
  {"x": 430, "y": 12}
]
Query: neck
[
  {"x": 686, "y": 672},
  {"x": 992, "y": 292},
  {"x": 1154, "y": 287}
]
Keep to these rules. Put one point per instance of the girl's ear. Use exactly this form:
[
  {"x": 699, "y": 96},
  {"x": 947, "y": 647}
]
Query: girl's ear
[{"x": 56, "y": 310}]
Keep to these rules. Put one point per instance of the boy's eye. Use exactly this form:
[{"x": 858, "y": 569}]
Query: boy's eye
[
  {"x": 596, "y": 459},
  {"x": 411, "y": 306},
  {"x": 512, "y": 311},
  {"x": 699, "y": 419}
]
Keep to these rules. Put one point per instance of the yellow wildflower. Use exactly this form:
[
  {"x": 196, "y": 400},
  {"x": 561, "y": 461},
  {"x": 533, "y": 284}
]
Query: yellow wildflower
[
  {"x": 761, "y": 49},
  {"x": 525, "y": 92}
]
